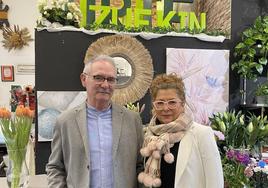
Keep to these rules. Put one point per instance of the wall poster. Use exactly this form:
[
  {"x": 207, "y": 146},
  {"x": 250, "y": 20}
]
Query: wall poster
[
  {"x": 50, "y": 105},
  {"x": 206, "y": 78}
]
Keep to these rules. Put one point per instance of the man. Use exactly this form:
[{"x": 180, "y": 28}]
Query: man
[{"x": 96, "y": 144}]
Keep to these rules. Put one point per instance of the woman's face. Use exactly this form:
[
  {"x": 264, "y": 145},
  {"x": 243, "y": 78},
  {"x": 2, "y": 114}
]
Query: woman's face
[{"x": 167, "y": 105}]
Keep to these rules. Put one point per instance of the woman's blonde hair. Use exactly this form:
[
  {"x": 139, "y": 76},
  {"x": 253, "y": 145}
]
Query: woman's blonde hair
[{"x": 170, "y": 81}]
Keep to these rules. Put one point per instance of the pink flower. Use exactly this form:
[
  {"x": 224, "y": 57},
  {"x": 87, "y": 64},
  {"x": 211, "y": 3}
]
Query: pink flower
[
  {"x": 219, "y": 135},
  {"x": 248, "y": 172}
]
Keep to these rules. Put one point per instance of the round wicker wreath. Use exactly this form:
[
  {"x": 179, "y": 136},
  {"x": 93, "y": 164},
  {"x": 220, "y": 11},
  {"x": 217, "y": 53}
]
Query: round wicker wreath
[{"x": 139, "y": 58}]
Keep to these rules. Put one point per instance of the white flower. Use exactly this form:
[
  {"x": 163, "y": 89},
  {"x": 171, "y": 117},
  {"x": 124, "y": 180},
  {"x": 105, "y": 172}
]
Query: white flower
[
  {"x": 72, "y": 7},
  {"x": 69, "y": 16},
  {"x": 41, "y": 4},
  {"x": 46, "y": 8},
  {"x": 50, "y": 8},
  {"x": 257, "y": 169},
  {"x": 76, "y": 17},
  {"x": 63, "y": 7},
  {"x": 265, "y": 169}
]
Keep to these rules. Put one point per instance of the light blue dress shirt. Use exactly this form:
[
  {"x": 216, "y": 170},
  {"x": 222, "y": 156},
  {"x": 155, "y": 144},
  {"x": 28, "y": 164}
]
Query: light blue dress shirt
[{"x": 99, "y": 124}]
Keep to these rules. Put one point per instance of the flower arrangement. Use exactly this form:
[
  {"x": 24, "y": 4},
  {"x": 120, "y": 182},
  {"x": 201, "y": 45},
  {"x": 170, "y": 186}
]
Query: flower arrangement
[
  {"x": 257, "y": 172},
  {"x": 232, "y": 125},
  {"x": 239, "y": 138},
  {"x": 257, "y": 131},
  {"x": 25, "y": 97},
  {"x": 16, "y": 130},
  {"x": 57, "y": 13},
  {"x": 234, "y": 163}
]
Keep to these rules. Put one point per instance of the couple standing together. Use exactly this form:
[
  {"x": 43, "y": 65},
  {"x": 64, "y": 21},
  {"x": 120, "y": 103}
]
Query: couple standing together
[{"x": 99, "y": 144}]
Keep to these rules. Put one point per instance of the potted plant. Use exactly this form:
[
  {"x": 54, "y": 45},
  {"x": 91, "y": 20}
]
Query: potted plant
[
  {"x": 251, "y": 53},
  {"x": 262, "y": 93},
  {"x": 252, "y": 50}
]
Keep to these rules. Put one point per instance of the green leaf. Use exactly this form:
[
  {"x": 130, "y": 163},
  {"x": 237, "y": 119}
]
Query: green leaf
[
  {"x": 249, "y": 42},
  {"x": 240, "y": 45},
  {"x": 259, "y": 68},
  {"x": 263, "y": 61}
]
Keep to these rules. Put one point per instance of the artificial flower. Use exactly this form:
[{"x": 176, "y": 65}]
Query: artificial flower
[{"x": 60, "y": 12}]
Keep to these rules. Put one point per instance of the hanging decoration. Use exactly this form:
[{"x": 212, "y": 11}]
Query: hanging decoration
[
  {"x": 3, "y": 15},
  {"x": 15, "y": 38}
]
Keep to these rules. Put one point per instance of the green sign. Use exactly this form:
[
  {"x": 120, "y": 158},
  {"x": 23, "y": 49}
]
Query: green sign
[{"x": 139, "y": 16}]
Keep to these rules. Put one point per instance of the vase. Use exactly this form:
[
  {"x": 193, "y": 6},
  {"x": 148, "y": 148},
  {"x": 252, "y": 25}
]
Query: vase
[
  {"x": 17, "y": 172},
  {"x": 243, "y": 91}
]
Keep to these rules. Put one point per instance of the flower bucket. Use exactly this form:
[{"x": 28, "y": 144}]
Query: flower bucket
[{"x": 17, "y": 171}]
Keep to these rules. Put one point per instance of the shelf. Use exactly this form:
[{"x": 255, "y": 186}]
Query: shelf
[{"x": 253, "y": 105}]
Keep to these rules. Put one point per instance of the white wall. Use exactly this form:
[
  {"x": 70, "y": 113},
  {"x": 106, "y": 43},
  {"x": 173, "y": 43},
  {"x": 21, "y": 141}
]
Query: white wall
[{"x": 23, "y": 13}]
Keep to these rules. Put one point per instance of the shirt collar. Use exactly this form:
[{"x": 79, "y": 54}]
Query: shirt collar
[{"x": 90, "y": 107}]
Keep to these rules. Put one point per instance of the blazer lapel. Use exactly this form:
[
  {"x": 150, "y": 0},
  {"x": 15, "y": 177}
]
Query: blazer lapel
[
  {"x": 184, "y": 153},
  {"x": 82, "y": 125},
  {"x": 117, "y": 116}
]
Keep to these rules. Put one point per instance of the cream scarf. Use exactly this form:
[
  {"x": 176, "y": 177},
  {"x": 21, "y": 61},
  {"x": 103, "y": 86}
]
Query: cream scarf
[{"x": 158, "y": 140}]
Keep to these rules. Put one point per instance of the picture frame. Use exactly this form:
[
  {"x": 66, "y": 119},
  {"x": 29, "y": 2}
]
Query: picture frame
[
  {"x": 7, "y": 73},
  {"x": 25, "y": 69}
]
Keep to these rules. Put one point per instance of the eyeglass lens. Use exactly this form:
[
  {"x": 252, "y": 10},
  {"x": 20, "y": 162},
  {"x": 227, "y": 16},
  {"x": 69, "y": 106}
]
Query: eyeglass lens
[
  {"x": 100, "y": 78},
  {"x": 171, "y": 104}
]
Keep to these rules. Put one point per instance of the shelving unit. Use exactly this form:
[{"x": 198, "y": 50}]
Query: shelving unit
[{"x": 254, "y": 106}]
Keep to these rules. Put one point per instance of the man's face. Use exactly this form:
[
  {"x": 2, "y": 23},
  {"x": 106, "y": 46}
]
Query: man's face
[{"x": 99, "y": 90}]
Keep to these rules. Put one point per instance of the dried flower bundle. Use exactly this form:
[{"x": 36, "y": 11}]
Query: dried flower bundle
[{"x": 15, "y": 38}]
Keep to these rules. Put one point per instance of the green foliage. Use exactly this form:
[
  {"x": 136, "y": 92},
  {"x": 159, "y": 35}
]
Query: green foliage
[
  {"x": 240, "y": 132},
  {"x": 262, "y": 89},
  {"x": 136, "y": 108},
  {"x": 232, "y": 125},
  {"x": 16, "y": 131},
  {"x": 234, "y": 174},
  {"x": 159, "y": 30},
  {"x": 258, "y": 130},
  {"x": 252, "y": 50},
  {"x": 62, "y": 12}
]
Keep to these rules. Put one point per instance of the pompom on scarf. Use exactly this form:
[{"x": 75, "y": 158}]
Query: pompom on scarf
[{"x": 158, "y": 140}]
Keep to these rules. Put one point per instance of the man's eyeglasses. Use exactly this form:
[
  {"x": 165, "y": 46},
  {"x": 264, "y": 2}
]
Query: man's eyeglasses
[
  {"x": 171, "y": 104},
  {"x": 101, "y": 79}
]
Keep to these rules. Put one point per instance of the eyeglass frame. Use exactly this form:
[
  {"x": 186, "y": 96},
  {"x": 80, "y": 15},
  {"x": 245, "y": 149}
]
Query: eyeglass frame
[
  {"x": 166, "y": 104},
  {"x": 110, "y": 80}
]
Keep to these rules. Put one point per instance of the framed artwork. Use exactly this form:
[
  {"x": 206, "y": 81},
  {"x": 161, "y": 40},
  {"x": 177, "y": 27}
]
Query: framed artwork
[
  {"x": 50, "y": 105},
  {"x": 7, "y": 73},
  {"x": 205, "y": 73}
]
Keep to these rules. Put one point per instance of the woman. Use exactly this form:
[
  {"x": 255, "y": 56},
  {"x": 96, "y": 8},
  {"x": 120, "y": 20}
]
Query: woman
[{"x": 180, "y": 153}]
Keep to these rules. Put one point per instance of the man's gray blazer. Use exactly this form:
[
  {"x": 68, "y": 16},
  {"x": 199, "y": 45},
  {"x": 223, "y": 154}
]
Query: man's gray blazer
[{"x": 69, "y": 163}]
